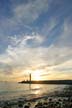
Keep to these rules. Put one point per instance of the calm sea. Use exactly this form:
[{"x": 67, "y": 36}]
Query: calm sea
[{"x": 16, "y": 90}]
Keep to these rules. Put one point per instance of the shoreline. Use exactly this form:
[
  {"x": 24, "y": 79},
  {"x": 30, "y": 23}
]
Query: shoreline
[{"x": 65, "y": 94}]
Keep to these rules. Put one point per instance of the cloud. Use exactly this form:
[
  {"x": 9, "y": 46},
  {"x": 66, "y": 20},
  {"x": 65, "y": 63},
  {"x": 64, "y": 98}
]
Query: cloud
[
  {"x": 19, "y": 56},
  {"x": 49, "y": 26},
  {"x": 49, "y": 50},
  {"x": 29, "y": 12},
  {"x": 22, "y": 15},
  {"x": 28, "y": 40},
  {"x": 65, "y": 37}
]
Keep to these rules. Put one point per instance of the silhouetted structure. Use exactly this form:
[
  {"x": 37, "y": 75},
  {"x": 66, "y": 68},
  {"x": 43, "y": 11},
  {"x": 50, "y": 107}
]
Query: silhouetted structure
[
  {"x": 48, "y": 81},
  {"x": 30, "y": 77}
]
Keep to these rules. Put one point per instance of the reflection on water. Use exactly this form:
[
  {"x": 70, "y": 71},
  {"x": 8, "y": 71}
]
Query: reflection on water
[
  {"x": 12, "y": 90},
  {"x": 37, "y": 86},
  {"x": 37, "y": 90}
]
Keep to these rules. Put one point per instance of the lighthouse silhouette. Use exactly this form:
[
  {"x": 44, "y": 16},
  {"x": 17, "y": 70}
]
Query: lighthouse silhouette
[{"x": 30, "y": 77}]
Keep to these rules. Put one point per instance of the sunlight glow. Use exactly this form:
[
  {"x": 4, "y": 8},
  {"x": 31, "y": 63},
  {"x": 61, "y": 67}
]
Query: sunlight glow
[{"x": 36, "y": 75}]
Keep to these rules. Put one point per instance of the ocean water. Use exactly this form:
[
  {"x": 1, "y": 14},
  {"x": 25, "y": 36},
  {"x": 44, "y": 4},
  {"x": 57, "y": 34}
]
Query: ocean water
[{"x": 16, "y": 90}]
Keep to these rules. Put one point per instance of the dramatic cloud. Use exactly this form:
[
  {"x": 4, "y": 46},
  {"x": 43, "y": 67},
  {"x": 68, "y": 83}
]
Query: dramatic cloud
[
  {"x": 21, "y": 56},
  {"x": 36, "y": 35}
]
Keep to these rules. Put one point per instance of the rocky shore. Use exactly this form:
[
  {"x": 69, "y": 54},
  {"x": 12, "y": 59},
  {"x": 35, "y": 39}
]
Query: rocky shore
[{"x": 62, "y": 99}]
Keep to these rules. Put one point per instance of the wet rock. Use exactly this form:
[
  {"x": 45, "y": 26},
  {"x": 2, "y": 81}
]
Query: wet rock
[
  {"x": 6, "y": 105},
  {"x": 36, "y": 106},
  {"x": 45, "y": 103},
  {"x": 26, "y": 106},
  {"x": 50, "y": 100},
  {"x": 39, "y": 105},
  {"x": 29, "y": 104},
  {"x": 59, "y": 100},
  {"x": 20, "y": 105}
]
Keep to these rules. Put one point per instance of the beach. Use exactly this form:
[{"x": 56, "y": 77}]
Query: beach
[{"x": 56, "y": 99}]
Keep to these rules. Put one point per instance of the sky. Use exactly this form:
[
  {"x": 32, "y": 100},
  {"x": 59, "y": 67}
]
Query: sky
[{"x": 36, "y": 38}]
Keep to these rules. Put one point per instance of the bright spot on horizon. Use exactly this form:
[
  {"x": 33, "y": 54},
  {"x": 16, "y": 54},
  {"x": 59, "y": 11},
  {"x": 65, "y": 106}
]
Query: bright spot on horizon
[{"x": 36, "y": 75}]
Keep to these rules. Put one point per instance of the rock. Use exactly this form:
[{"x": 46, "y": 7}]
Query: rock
[
  {"x": 40, "y": 107},
  {"x": 39, "y": 104},
  {"x": 45, "y": 103},
  {"x": 50, "y": 99},
  {"x": 59, "y": 100},
  {"x": 36, "y": 106},
  {"x": 29, "y": 104},
  {"x": 26, "y": 106},
  {"x": 20, "y": 105},
  {"x": 6, "y": 105}
]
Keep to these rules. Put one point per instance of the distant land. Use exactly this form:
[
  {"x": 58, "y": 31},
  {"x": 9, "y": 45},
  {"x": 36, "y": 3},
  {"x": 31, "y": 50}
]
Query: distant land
[{"x": 48, "y": 82}]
